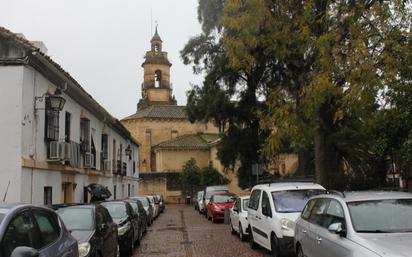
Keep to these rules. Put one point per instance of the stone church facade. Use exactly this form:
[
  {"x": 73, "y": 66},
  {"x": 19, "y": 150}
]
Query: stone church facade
[{"x": 168, "y": 139}]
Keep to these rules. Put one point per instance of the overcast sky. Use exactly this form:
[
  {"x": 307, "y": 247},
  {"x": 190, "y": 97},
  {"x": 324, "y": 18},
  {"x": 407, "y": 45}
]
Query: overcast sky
[{"x": 101, "y": 43}]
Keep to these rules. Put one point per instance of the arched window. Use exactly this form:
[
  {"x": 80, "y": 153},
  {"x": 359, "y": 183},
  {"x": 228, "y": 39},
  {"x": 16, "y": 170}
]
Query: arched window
[
  {"x": 158, "y": 78},
  {"x": 156, "y": 48}
]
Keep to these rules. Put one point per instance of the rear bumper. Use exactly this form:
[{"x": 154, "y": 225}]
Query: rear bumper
[{"x": 218, "y": 215}]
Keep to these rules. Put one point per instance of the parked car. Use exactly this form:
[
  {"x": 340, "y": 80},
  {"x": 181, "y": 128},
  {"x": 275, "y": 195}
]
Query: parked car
[
  {"x": 156, "y": 200},
  {"x": 272, "y": 212},
  {"x": 162, "y": 204},
  {"x": 238, "y": 217},
  {"x": 208, "y": 192},
  {"x": 364, "y": 224},
  {"x": 29, "y": 230},
  {"x": 140, "y": 222},
  {"x": 122, "y": 213},
  {"x": 217, "y": 204},
  {"x": 154, "y": 206},
  {"x": 93, "y": 228},
  {"x": 147, "y": 206},
  {"x": 142, "y": 214},
  {"x": 199, "y": 201}
]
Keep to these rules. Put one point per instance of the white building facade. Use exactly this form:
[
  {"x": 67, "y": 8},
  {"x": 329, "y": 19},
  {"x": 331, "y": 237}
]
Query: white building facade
[{"x": 50, "y": 155}]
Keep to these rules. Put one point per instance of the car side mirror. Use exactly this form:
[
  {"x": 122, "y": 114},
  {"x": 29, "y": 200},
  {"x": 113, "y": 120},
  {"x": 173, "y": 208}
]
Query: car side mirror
[
  {"x": 337, "y": 228},
  {"x": 266, "y": 212},
  {"x": 24, "y": 251}
]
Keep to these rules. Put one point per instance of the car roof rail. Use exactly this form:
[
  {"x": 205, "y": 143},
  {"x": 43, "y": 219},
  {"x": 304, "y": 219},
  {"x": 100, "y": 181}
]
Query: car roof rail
[
  {"x": 336, "y": 192},
  {"x": 303, "y": 179}
]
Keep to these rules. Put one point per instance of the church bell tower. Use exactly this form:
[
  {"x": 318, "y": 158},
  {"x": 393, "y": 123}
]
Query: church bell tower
[{"x": 156, "y": 87}]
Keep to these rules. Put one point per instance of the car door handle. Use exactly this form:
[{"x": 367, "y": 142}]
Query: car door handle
[{"x": 319, "y": 240}]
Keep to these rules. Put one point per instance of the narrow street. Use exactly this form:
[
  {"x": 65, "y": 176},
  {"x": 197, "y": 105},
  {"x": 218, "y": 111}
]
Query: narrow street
[{"x": 181, "y": 232}]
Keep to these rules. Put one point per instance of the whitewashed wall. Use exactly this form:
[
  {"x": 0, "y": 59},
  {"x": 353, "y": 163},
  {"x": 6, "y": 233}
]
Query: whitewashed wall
[
  {"x": 22, "y": 137},
  {"x": 10, "y": 124}
]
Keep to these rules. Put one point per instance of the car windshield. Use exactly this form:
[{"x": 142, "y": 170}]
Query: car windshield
[
  {"x": 144, "y": 201},
  {"x": 134, "y": 206},
  {"x": 77, "y": 218},
  {"x": 116, "y": 210},
  {"x": 381, "y": 216},
  {"x": 293, "y": 200},
  {"x": 245, "y": 204},
  {"x": 210, "y": 193},
  {"x": 224, "y": 198},
  {"x": 200, "y": 195}
]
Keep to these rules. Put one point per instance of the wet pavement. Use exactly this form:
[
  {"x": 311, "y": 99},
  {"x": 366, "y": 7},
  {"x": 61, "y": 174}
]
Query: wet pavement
[{"x": 182, "y": 232}]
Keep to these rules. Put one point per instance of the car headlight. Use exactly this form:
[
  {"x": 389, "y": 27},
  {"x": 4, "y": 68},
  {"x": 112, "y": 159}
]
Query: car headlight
[
  {"x": 123, "y": 229},
  {"x": 84, "y": 249},
  {"x": 287, "y": 224}
]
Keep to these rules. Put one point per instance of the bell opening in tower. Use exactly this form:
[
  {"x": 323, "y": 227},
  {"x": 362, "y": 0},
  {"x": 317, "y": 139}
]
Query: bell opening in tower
[{"x": 158, "y": 78}]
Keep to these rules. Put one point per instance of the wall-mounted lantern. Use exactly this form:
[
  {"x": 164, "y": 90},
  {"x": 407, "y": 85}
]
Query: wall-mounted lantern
[{"x": 54, "y": 102}]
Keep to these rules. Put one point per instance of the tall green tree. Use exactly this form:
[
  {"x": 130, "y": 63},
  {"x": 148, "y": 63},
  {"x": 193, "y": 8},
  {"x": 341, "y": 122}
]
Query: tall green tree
[
  {"x": 191, "y": 177},
  {"x": 332, "y": 64},
  {"x": 228, "y": 95}
]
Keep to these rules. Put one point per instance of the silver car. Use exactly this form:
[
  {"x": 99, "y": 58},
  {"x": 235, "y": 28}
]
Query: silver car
[
  {"x": 356, "y": 224},
  {"x": 29, "y": 230}
]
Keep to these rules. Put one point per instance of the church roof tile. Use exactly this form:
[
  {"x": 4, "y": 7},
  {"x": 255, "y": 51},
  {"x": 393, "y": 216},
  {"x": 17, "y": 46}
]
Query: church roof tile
[
  {"x": 160, "y": 111},
  {"x": 189, "y": 141}
]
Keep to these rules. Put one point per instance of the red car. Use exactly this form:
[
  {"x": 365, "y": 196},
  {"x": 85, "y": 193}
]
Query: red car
[{"x": 217, "y": 204}]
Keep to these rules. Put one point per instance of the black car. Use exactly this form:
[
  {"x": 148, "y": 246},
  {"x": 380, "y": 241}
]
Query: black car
[
  {"x": 141, "y": 225},
  {"x": 142, "y": 214},
  {"x": 147, "y": 207},
  {"x": 128, "y": 224},
  {"x": 93, "y": 228},
  {"x": 28, "y": 230}
]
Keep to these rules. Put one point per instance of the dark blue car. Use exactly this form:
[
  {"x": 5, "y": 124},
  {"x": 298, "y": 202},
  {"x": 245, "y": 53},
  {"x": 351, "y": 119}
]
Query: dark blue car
[{"x": 29, "y": 230}]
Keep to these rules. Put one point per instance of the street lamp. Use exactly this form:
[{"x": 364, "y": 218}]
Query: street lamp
[{"x": 54, "y": 102}]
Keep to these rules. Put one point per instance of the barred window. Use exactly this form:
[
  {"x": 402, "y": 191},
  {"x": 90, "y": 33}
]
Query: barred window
[{"x": 52, "y": 124}]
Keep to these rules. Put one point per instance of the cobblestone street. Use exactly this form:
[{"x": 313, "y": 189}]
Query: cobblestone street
[{"x": 181, "y": 232}]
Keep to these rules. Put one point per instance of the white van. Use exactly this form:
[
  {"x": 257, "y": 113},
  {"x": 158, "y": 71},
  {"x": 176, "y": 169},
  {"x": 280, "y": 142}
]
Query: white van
[{"x": 272, "y": 212}]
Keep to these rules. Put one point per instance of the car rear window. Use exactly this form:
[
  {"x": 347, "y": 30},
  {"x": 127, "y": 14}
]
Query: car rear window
[
  {"x": 77, "y": 218},
  {"x": 210, "y": 193},
  {"x": 224, "y": 198},
  {"x": 293, "y": 200},
  {"x": 245, "y": 204},
  {"x": 381, "y": 216}
]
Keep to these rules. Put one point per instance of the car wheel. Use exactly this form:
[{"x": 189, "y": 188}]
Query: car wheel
[
  {"x": 299, "y": 251},
  {"x": 252, "y": 243},
  {"x": 275, "y": 246},
  {"x": 242, "y": 236}
]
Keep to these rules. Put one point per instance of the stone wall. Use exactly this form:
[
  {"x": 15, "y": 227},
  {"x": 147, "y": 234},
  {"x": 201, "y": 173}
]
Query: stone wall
[{"x": 173, "y": 160}]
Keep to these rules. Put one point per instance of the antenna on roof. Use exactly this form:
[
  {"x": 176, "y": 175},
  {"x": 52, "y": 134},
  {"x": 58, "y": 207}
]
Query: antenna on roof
[{"x": 7, "y": 189}]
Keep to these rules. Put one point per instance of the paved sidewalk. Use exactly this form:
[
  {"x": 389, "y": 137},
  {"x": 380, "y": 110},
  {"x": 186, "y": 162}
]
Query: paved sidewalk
[{"x": 181, "y": 232}]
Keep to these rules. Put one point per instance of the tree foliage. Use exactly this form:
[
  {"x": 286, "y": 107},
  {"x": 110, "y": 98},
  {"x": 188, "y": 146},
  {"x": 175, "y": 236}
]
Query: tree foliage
[
  {"x": 194, "y": 178},
  {"x": 328, "y": 79}
]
